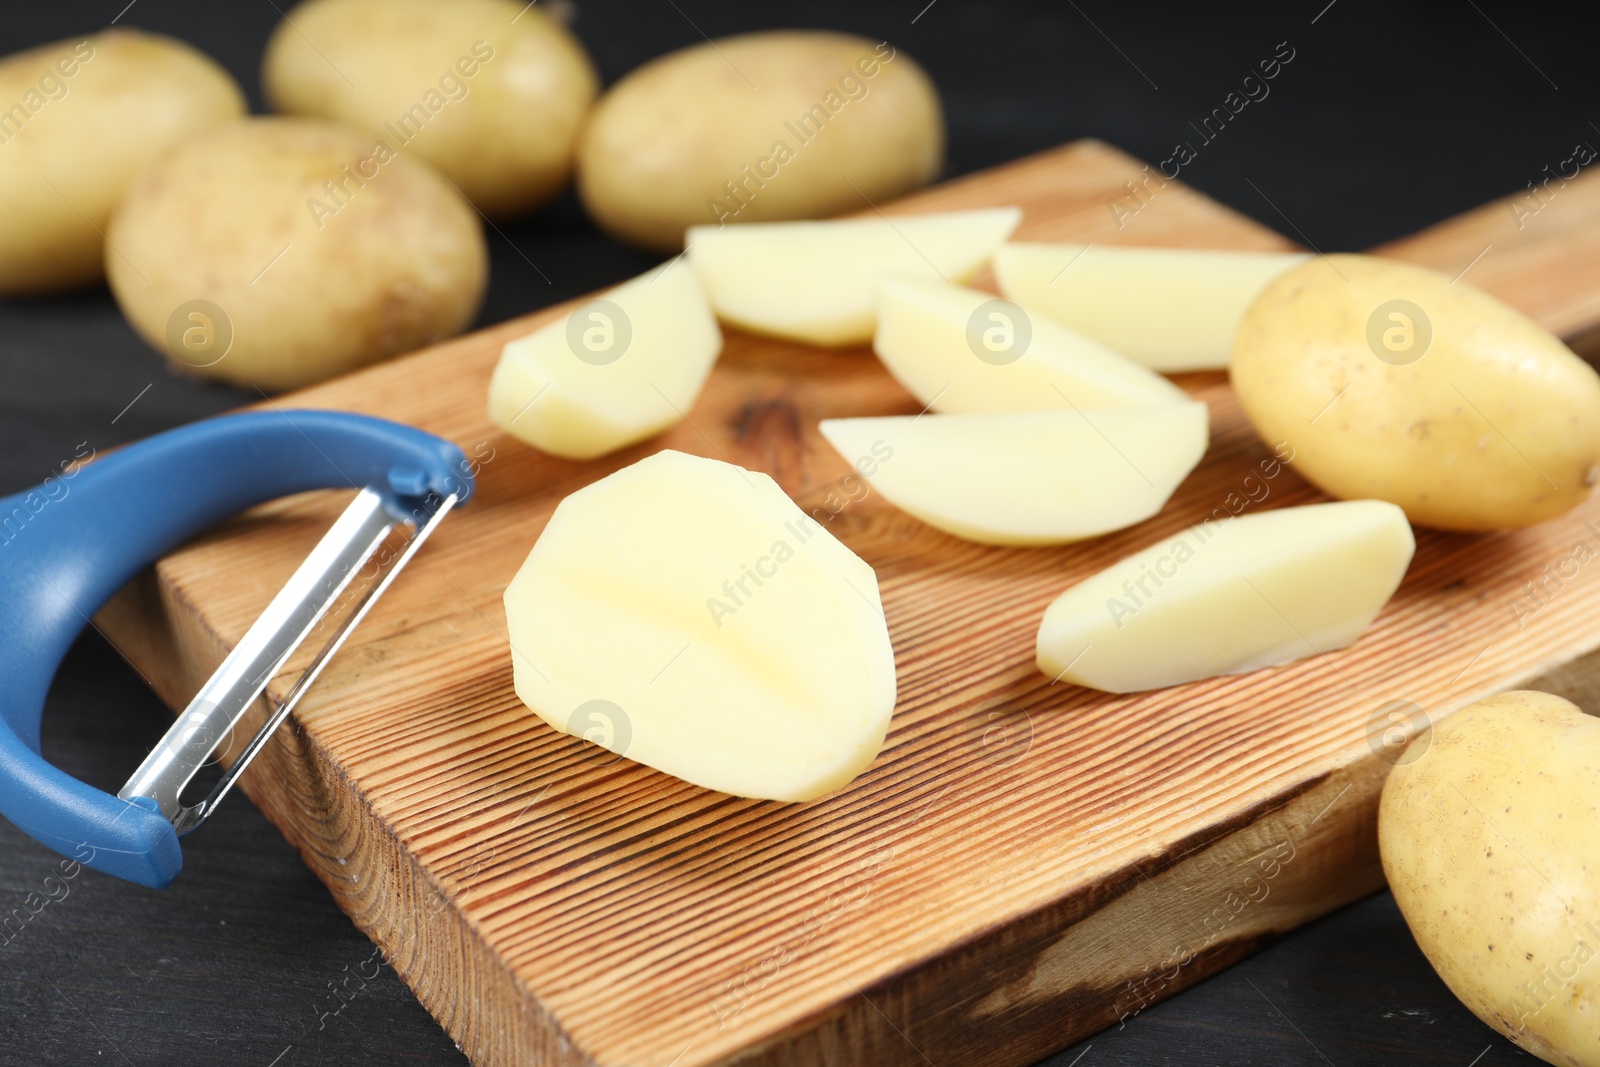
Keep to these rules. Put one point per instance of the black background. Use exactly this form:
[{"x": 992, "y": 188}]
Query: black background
[{"x": 1389, "y": 118}]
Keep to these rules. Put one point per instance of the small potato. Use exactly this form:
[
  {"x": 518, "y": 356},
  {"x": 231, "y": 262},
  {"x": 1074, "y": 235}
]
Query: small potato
[
  {"x": 1390, "y": 381},
  {"x": 278, "y": 252},
  {"x": 1490, "y": 837},
  {"x": 491, "y": 93},
  {"x": 78, "y": 118},
  {"x": 761, "y": 127}
]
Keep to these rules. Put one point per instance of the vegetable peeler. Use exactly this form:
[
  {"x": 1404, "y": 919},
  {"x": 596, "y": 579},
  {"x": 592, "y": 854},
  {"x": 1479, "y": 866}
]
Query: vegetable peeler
[{"x": 68, "y": 547}]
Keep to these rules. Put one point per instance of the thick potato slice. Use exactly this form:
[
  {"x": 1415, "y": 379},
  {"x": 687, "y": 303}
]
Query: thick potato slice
[
  {"x": 491, "y": 93},
  {"x": 1031, "y": 478},
  {"x": 816, "y": 281},
  {"x": 614, "y": 370},
  {"x": 760, "y": 127},
  {"x": 961, "y": 350},
  {"x": 683, "y": 612},
  {"x": 1395, "y": 382},
  {"x": 1229, "y": 596},
  {"x": 278, "y": 252},
  {"x": 1490, "y": 838},
  {"x": 81, "y": 117},
  {"x": 1170, "y": 309}
]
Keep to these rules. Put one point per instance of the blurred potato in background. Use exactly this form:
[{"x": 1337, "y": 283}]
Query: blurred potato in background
[
  {"x": 78, "y": 118},
  {"x": 491, "y": 93},
  {"x": 761, "y": 127},
  {"x": 280, "y": 251}
]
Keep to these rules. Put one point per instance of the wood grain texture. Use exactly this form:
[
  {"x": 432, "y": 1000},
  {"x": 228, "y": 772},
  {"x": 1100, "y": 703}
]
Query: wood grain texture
[{"x": 1023, "y": 864}]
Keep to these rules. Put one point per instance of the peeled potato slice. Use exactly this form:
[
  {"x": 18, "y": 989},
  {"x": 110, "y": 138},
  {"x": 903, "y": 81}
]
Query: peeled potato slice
[
  {"x": 961, "y": 350},
  {"x": 683, "y": 612},
  {"x": 813, "y": 281},
  {"x": 617, "y": 369},
  {"x": 1229, "y": 596},
  {"x": 1170, "y": 309},
  {"x": 1035, "y": 478}
]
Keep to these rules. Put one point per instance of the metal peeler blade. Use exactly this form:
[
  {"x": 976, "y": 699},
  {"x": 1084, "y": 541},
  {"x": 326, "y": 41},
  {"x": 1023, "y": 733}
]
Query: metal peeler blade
[{"x": 292, "y": 618}]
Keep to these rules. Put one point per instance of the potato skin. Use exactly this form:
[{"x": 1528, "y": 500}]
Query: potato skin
[
  {"x": 504, "y": 134},
  {"x": 1491, "y": 843},
  {"x": 129, "y": 96},
  {"x": 688, "y": 132},
  {"x": 1495, "y": 425},
  {"x": 244, "y": 217}
]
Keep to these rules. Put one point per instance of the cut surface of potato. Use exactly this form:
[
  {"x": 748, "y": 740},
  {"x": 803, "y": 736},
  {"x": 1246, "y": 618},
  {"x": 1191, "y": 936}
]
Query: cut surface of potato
[
  {"x": 1171, "y": 309},
  {"x": 615, "y": 370},
  {"x": 708, "y": 627},
  {"x": 1031, "y": 478},
  {"x": 815, "y": 281},
  {"x": 1229, "y": 596},
  {"x": 962, "y": 350}
]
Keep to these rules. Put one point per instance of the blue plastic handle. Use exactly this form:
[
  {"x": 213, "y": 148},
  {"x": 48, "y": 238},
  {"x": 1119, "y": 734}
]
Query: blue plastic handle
[{"x": 68, "y": 545}]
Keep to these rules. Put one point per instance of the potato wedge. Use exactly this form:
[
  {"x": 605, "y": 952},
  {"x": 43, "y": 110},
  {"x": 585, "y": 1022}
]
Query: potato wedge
[
  {"x": 1030, "y": 478},
  {"x": 1230, "y": 596},
  {"x": 961, "y": 350},
  {"x": 816, "y": 281},
  {"x": 614, "y": 370},
  {"x": 1171, "y": 309}
]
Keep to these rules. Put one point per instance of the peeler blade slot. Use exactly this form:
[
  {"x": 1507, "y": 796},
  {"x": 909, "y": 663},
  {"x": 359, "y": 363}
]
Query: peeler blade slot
[
  {"x": 297, "y": 612},
  {"x": 190, "y": 817}
]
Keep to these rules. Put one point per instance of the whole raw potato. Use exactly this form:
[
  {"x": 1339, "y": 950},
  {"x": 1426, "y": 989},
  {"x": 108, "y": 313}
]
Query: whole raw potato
[
  {"x": 760, "y": 127},
  {"x": 277, "y": 252},
  {"x": 1491, "y": 842},
  {"x": 491, "y": 93},
  {"x": 1388, "y": 381},
  {"x": 78, "y": 118}
]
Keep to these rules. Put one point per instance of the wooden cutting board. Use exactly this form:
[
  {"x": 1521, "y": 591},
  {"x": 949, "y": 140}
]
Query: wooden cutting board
[{"x": 1023, "y": 864}]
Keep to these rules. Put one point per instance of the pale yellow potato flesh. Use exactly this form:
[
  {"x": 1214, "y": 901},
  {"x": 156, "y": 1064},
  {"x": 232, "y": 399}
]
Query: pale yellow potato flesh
[
  {"x": 1398, "y": 383},
  {"x": 759, "y": 127},
  {"x": 614, "y": 370},
  {"x": 727, "y": 637},
  {"x": 230, "y": 256},
  {"x": 80, "y": 118},
  {"x": 1490, "y": 837},
  {"x": 1029, "y": 478},
  {"x": 491, "y": 93},
  {"x": 817, "y": 281},
  {"x": 1171, "y": 309},
  {"x": 1229, "y": 596},
  {"x": 961, "y": 350}
]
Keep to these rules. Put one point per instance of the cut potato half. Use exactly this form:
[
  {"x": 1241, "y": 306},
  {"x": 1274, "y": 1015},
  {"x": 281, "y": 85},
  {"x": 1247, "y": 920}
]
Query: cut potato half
[
  {"x": 616, "y": 369},
  {"x": 685, "y": 613},
  {"x": 813, "y": 281},
  {"x": 1034, "y": 478},
  {"x": 961, "y": 350},
  {"x": 1171, "y": 309},
  {"x": 1229, "y": 596}
]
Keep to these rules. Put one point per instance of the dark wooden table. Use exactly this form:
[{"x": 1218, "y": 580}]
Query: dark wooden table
[{"x": 1390, "y": 118}]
